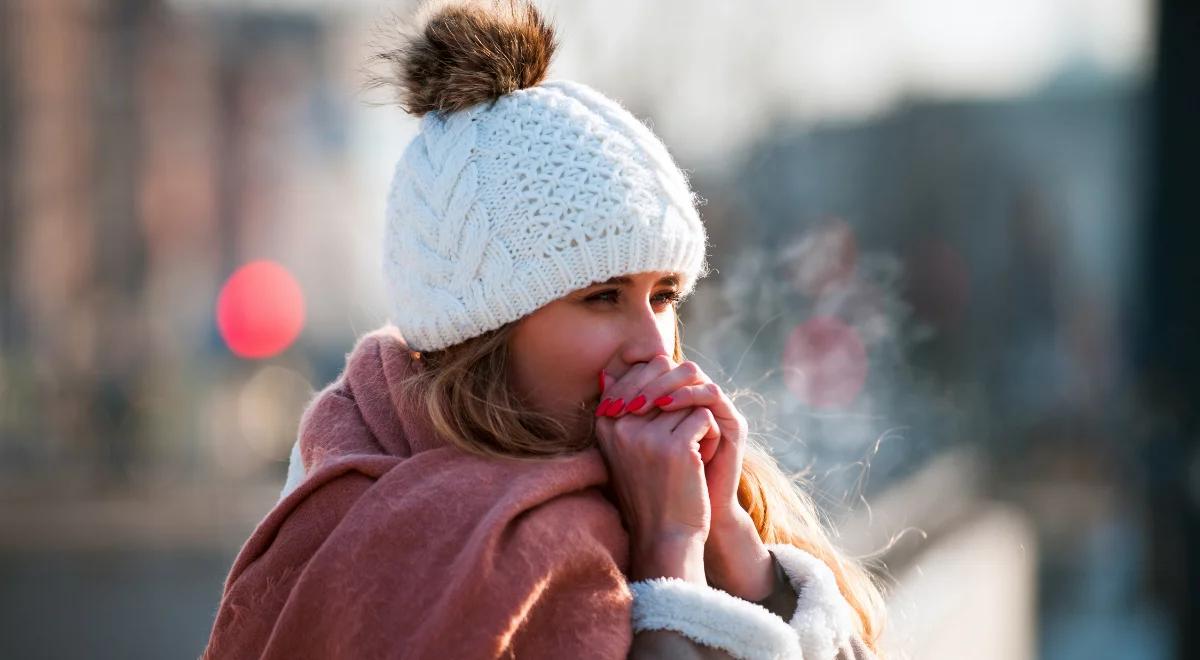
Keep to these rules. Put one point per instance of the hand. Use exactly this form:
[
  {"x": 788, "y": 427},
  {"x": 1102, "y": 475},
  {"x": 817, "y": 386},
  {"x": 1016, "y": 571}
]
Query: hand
[
  {"x": 688, "y": 387},
  {"x": 735, "y": 557},
  {"x": 657, "y": 471}
]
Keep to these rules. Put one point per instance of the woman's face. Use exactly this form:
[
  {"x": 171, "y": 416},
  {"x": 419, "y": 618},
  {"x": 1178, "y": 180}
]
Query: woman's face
[{"x": 557, "y": 351}]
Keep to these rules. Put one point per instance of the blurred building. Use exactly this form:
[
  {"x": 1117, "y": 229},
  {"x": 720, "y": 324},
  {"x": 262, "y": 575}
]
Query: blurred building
[{"x": 926, "y": 219}]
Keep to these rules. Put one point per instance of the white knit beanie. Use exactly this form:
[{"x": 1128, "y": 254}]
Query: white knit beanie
[{"x": 515, "y": 191}]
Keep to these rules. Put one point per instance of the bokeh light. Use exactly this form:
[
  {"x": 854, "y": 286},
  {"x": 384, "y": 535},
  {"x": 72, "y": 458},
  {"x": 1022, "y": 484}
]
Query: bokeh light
[
  {"x": 268, "y": 406},
  {"x": 825, "y": 363},
  {"x": 260, "y": 310}
]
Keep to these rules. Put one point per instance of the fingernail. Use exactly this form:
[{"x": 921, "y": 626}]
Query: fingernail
[
  {"x": 602, "y": 381},
  {"x": 600, "y": 408},
  {"x": 636, "y": 403},
  {"x": 662, "y": 401},
  {"x": 614, "y": 409}
]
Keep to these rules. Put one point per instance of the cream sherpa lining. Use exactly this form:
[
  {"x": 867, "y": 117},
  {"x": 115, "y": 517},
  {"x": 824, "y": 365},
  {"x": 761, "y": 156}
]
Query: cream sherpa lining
[
  {"x": 823, "y": 621},
  {"x": 712, "y": 617}
]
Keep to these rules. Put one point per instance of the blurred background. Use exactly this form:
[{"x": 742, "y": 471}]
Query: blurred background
[{"x": 952, "y": 244}]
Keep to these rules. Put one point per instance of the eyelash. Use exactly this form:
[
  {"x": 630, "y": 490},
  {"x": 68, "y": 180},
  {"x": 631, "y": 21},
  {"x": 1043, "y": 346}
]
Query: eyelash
[{"x": 669, "y": 297}]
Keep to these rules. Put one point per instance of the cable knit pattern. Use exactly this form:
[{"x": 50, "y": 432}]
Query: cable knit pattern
[
  {"x": 823, "y": 619},
  {"x": 500, "y": 208}
]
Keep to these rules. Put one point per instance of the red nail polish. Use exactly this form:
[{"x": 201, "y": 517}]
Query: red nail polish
[
  {"x": 662, "y": 401},
  {"x": 636, "y": 403},
  {"x": 602, "y": 381},
  {"x": 614, "y": 409},
  {"x": 600, "y": 408}
]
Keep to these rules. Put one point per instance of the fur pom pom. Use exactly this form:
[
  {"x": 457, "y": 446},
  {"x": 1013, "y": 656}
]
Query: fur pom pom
[{"x": 456, "y": 53}]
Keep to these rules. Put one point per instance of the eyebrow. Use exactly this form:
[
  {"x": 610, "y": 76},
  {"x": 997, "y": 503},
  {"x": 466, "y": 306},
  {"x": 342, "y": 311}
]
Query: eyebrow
[{"x": 624, "y": 279}]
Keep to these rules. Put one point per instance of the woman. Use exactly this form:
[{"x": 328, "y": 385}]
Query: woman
[{"x": 524, "y": 464}]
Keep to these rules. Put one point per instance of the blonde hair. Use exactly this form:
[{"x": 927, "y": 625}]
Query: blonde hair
[{"x": 465, "y": 390}]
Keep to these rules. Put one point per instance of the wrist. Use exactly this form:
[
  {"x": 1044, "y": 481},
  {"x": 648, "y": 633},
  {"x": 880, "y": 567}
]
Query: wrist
[
  {"x": 737, "y": 561},
  {"x": 676, "y": 556},
  {"x": 732, "y": 535}
]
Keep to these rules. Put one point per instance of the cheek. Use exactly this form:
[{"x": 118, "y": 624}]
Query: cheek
[
  {"x": 666, "y": 329},
  {"x": 572, "y": 361},
  {"x": 556, "y": 364}
]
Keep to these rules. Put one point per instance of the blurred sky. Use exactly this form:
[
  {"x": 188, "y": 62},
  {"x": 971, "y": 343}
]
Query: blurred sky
[
  {"x": 711, "y": 77},
  {"x": 715, "y": 73}
]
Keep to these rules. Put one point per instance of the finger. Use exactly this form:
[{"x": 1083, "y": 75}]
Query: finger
[
  {"x": 606, "y": 383},
  {"x": 686, "y": 373},
  {"x": 625, "y": 392},
  {"x": 663, "y": 423},
  {"x": 699, "y": 428},
  {"x": 614, "y": 392},
  {"x": 709, "y": 395}
]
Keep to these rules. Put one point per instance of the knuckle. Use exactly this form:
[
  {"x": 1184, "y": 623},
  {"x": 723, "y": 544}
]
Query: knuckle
[
  {"x": 690, "y": 368},
  {"x": 713, "y": 389},
  {"x": 659, "y": 363}
]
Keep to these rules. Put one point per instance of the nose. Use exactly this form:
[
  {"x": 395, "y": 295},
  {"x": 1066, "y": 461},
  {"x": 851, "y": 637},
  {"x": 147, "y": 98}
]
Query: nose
[{"x": 647, "y": 335}]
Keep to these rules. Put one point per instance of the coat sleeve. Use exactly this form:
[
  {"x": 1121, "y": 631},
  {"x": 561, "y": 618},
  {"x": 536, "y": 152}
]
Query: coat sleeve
[
  {"x": 670, "y": 645},
  {"x": 783, "y": 598},
  {"x": 784, "y": 602},
  {"x": 821, "y": 618},
  {"x": 855, "y": 649},
  {"x": 713, "y": 618}
]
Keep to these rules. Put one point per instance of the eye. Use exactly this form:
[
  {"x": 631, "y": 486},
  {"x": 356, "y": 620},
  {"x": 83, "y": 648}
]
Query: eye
[
  {"x": 611, "y": 296},
  {"x": 608, "y": 295},
  {"x": 669, "y": 297}
]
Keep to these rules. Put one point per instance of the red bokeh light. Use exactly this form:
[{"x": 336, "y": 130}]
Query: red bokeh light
[
  {"x": 825, "y": 363},
  {"x": 260, "y": 310}
]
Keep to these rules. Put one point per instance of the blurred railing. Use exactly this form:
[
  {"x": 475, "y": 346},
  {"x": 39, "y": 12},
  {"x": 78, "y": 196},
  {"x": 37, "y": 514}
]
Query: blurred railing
[{"x": 964, "y": 568}]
